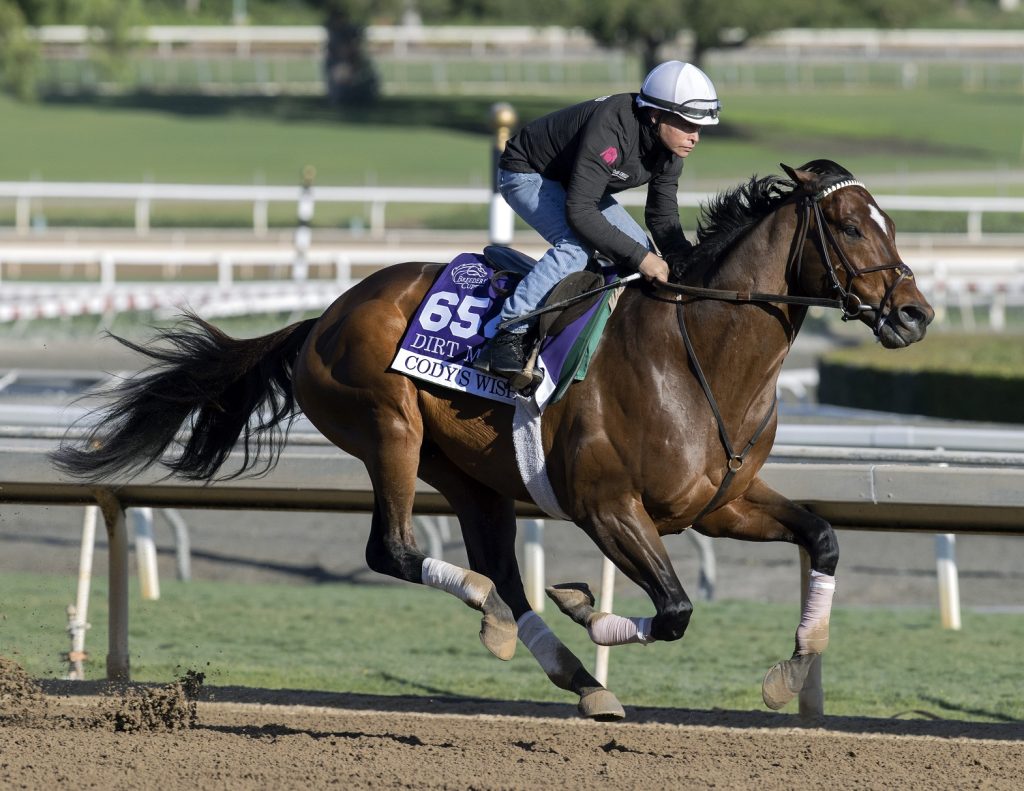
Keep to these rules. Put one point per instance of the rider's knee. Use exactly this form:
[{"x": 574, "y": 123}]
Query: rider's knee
[{"x": 671, "y": 623}]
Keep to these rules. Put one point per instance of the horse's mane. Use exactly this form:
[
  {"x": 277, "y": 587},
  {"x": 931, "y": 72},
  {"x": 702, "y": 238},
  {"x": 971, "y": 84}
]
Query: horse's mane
[{"x": 729, "y": 216}]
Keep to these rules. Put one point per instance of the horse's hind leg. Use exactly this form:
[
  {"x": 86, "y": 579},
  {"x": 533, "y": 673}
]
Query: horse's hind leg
[
  {"x": 488, "y": 524},
  {"x": 763, "y": 514},
  {"x": 391, "y": 548}
]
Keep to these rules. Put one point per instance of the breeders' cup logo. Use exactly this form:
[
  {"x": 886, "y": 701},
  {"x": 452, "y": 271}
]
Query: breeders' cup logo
[{"x": 469, "y": 276}]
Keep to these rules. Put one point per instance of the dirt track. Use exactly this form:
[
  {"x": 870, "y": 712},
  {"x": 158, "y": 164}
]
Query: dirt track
[
  {"x": 65, "y": 735},
  {"x": 69, "y": 735}
]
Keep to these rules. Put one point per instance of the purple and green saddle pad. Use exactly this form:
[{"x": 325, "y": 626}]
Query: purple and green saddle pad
[{"x": 462, "y": 310}]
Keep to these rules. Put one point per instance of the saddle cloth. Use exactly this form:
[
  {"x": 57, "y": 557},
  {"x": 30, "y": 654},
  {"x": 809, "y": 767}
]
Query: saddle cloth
[{"x": 462, "y": 310}]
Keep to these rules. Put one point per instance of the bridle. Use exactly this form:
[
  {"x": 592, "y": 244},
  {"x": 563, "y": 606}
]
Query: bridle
[
  {"x": 850, "y": 304},
  {"x": 809, "y": 205}
]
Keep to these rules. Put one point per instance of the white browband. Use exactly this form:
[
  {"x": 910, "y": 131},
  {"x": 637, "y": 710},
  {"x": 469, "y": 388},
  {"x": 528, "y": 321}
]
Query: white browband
[{"x": 829, "y": 190}]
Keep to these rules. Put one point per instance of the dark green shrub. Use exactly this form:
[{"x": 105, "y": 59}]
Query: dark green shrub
[{"x": 963, "y": 377}]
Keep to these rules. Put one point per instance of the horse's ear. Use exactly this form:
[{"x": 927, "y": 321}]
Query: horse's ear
[{"x": 801, "y": 178}]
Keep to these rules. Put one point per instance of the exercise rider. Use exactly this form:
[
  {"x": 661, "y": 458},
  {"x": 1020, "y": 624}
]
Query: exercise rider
[{"x": 560, "y": 172}]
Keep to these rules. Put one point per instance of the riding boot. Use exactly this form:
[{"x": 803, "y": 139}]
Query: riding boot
[{"x": 508, "y": 353}]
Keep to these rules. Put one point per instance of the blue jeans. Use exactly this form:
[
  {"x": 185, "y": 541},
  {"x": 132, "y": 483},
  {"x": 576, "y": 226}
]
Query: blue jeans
[{"x": 541, "y": 202}]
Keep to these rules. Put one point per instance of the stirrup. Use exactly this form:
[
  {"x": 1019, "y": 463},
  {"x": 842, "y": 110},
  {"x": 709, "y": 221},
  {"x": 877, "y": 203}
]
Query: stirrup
[{"x": 525, "y": 382}]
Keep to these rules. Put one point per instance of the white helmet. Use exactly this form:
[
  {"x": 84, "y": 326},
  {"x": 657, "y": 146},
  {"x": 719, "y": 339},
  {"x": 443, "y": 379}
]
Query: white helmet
[{"x": 683, "y": 89}]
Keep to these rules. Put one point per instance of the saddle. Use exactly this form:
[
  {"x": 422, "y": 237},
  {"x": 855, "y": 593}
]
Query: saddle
[{"x": 507, "y": 261}]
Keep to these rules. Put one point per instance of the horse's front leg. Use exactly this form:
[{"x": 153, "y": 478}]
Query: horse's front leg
[
  {"x": 628, "y": 537},
  {"x": 763, "y": 514}
]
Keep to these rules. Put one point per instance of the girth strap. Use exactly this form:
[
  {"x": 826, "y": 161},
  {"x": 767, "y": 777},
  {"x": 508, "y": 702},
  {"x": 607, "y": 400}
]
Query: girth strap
[{"x": 735, "y": 460}]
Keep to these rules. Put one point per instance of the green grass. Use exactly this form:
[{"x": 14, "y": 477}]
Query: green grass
[
  {"x": 446, "y": 141},
  {"x": 398, "y": 640},
  {"x": 406, "y": 140},
  {"x": 979, "y": 355}
]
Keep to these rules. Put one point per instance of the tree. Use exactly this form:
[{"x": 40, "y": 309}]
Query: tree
[
  {"x": 646, "y": 25},
  {"x": 19, "y": 54}
]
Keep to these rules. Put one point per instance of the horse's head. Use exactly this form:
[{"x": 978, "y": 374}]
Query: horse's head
[{"x": 856, "y": 243}]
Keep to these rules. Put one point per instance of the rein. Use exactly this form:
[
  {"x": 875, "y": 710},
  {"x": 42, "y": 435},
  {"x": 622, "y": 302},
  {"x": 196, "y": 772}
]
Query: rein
[{"x": 848, "y": 302}]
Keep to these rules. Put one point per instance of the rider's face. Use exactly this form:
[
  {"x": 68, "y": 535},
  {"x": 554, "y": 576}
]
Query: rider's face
[{"x": 677, "y": 134}]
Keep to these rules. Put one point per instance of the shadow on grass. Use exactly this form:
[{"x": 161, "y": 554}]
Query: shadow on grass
[
  {"x": 466, "y": 114},
  {"x": 447, "y": 704},
  {"x": 459, "y": 113}
]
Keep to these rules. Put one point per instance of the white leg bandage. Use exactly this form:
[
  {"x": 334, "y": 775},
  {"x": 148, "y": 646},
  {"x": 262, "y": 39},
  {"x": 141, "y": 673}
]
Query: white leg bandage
[
  {"x": 606, "y": 628},
  {"x": 467, "y": 586},
  {"x": 812, "y": 634},
  {"x": 554, "y": 658}
]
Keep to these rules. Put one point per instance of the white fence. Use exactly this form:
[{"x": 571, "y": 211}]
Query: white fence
[
  {"x": 91, "y": 279},
  {"x": 28, "y": 196},
  {"x": 243, "y": 39}
]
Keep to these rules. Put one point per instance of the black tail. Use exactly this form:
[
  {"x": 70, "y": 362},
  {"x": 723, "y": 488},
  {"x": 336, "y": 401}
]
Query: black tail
[{"x": 214, "y": 386}]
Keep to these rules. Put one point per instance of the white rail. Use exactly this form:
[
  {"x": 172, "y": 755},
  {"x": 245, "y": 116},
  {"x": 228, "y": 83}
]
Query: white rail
[
  {"x": 244, "y": 38},
  {"x": 100, "y": 279},
  {"x": 27, "y": 195}
]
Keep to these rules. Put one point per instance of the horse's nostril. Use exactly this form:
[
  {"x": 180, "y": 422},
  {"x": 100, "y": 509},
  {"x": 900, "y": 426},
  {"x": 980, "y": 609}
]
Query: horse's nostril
[{"x": 913, "y": 315}]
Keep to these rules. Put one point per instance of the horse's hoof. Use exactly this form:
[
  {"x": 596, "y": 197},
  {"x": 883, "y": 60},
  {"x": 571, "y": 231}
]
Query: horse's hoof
[
  {"x": 498, "y": 630},
  {"x": 574, "y": 599},
  {"x": 600, "y": 704},
  {"x": 785, "y": 680}
]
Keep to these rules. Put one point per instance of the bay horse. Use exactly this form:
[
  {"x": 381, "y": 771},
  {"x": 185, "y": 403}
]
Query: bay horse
[{"x": 645, "y": 446}]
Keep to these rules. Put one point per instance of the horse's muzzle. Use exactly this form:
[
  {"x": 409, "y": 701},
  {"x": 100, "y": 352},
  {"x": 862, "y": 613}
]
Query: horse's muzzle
[{"x": 904, "y": 324}]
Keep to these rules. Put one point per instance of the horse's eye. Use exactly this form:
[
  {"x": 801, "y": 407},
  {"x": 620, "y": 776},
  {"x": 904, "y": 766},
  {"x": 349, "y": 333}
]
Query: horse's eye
[{"x": 851, "y": 231}]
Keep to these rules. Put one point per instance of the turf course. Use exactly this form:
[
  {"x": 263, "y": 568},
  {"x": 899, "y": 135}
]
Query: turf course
[
  {"x": 400, "y": 640},
  {"x": 445, "y": 141}
]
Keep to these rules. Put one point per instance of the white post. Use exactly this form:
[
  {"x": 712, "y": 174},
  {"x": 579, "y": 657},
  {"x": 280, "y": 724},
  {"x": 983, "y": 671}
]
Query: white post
[
  {"x": 974, "y": 225},
  {"x": 533, "y": 557},
  {"x": 182, "y": 545},
  {"x": 949, "y": 582},
  {"x": 145, "y": 552},
  {"x": 79, "y": 613},
  {"x": 22, "y": 214},
  {"x": 607, "y": 600},
  {"x": 343, "y": 270},
  {"x": 225, "y": 272},
  {"x": 304, "y": 230},
  {"x": 997, "y": 310},
  {"x": 377, "y": 219},
  {"x": 502, "y": 218},
  {"x": 259, "y": 217},
  {"x": 142, "y": 216},
  {"x": 108, "y": 272}
]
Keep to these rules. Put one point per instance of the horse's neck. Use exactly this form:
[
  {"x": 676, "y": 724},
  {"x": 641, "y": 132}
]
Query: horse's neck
[
  {"x": 758, "y": 261},
  {"x": 755, "y": 338}
]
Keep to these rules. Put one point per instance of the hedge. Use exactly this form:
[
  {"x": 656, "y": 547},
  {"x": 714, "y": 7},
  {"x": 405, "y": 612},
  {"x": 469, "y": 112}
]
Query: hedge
[{"x": 962, "y": 377}]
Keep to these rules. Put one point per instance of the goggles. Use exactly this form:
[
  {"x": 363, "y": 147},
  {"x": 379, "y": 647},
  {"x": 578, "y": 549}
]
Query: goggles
[{"x": 692, "y": 108}]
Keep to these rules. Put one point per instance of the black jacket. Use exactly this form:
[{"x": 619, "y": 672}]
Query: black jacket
[{"x": 603, "y": 146}]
